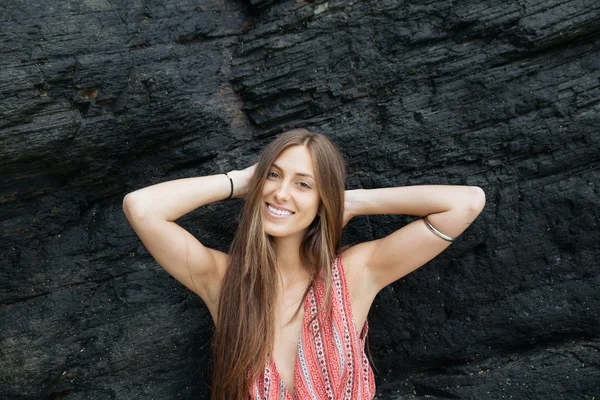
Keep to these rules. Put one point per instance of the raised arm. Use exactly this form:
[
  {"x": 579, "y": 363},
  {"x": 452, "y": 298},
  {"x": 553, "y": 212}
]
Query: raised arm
[
  {"x": 151, "y": 211},
  {"x": 448, "y": 209}
]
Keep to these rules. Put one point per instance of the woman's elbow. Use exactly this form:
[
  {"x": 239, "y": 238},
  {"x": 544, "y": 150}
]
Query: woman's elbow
[
  {"x": 131, "y": 208},
  {"x": 476, "y": 200}
]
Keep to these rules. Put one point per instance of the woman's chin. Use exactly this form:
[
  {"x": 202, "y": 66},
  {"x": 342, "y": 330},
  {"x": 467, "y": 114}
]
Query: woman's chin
[
  {"x": 280, "y": 233},
  {"x": 276, "y": 233}
]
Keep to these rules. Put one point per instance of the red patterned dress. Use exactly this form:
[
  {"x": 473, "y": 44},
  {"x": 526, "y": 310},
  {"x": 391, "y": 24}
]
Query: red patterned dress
[{"x": 330, "y": 365}]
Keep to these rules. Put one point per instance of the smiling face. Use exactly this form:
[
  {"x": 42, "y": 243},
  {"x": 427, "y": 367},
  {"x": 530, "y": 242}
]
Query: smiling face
[{"x": 290, "y": 194}]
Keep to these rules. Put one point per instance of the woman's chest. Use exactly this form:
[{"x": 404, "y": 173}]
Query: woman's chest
[
  {"x": 317, "y": 356},
  {"x": 289, "y": 325},
  {"x": 313, "y": 357}
]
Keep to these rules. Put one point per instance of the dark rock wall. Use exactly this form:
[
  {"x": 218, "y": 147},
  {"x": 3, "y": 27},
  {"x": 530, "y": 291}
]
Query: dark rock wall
[{"x": 101, "y": 97}]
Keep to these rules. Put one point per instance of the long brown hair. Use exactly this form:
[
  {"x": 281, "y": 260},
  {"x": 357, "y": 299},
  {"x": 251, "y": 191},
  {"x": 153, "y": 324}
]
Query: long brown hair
[{"x": 245, "y": 331}]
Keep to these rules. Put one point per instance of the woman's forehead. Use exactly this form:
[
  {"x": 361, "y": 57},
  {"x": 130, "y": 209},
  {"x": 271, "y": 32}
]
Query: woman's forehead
[{"x": 296, "y": 160}]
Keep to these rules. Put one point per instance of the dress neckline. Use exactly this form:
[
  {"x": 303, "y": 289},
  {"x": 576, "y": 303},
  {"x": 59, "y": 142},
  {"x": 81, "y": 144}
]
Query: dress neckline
[{"x": 305, "y": 317}]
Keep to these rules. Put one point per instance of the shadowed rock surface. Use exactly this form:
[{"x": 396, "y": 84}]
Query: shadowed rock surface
[{"x": 100, "y": 98}]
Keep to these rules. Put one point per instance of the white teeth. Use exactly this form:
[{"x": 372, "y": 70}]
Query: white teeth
[{"x": 278, "y": 212}]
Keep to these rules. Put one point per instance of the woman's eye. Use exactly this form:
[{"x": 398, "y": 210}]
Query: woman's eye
[
  {"x": 272, "y": 174},
  {"x": 305, "y": 185}
]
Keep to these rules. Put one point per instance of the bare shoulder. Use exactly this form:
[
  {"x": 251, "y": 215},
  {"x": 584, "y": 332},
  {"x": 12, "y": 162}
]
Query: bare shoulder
[
  {"x": 221, "y": 262},
  {"x": 355, "y": 259},
  {"x": 361, "y": 290},
  {"x": 209, "y": 287}
]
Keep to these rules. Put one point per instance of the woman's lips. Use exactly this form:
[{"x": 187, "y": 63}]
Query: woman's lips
[{"x": 271, "y": 214}]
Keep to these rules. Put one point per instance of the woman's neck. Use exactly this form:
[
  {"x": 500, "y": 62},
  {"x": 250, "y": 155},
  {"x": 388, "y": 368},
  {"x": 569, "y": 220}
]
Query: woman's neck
[{"x": 289, "y": 261}]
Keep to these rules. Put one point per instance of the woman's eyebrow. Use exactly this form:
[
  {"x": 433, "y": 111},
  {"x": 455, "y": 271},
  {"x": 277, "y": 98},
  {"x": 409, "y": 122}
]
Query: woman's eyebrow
[{"x": 297, "y": 173}]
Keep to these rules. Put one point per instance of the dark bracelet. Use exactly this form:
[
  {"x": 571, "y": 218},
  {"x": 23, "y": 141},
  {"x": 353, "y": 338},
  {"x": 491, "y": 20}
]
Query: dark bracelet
[{"x": 231, "y": 182}]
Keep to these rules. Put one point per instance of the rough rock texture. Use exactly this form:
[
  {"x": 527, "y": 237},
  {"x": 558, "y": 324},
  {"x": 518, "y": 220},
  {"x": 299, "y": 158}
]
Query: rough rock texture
[{"x": 101, "y": 97}]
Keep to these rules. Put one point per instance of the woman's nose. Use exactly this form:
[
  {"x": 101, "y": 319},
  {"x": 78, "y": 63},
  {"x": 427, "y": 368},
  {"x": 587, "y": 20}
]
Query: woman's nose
[{"x": 282, "y": 193}]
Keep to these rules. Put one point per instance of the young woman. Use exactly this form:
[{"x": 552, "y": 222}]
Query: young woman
[{"x": 290, "y": 306}]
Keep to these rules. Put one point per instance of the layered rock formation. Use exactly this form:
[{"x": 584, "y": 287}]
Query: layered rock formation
[{"x": 100, "y": 98}]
